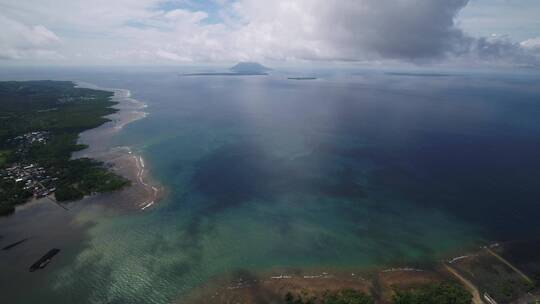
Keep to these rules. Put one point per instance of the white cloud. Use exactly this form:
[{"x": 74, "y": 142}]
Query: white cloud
[
  {"x": 171, "y": 56},
  {"x": 185, "y": 16},
  {"x": 20, "y": 41},
  {"x": 352, "y": 30},
  {"x": 517, "y": 18},
  {"x": 531, "y": 44},
  {"x": 125, "y": 31},
  {"x": 80, "y": 15}
]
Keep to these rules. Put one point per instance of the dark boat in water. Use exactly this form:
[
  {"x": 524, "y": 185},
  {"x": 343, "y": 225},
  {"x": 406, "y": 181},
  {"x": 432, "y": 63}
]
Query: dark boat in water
[
  {"x": 44, "y": 260},
  {"x": 8, "y": 247}
]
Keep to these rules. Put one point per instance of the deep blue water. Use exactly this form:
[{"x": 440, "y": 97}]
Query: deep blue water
[{"x": 354, "y": 169}]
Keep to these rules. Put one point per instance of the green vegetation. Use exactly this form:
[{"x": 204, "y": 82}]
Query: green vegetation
[
  {"x": 12, "y": 194},
  {"x": 345, "y": 296},
  {"x": 85, "y": 176},
  {"x": 55, "y": 106},
  {"x": 494, "y": 277},
  {"x": 4, "y": 157},
  {"x": 63, "y": 111},
  {"x": 436, "y": 293}
]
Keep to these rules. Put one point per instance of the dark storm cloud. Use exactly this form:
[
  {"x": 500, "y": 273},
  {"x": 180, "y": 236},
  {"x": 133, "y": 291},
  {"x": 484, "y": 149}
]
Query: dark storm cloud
[{"x": 404, "y": 29}]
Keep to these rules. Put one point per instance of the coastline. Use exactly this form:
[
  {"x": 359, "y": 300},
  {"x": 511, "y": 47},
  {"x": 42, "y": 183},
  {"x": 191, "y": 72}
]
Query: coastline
[
  {"x": 154, "y": 192},
  {"x": 45, "y": 225},
  {"x": 144, "y": 191},
  {"x": 274, "y": 284},
  {"x": 469, "y": 270}
]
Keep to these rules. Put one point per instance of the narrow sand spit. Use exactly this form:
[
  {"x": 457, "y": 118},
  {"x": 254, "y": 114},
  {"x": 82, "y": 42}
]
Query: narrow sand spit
[
  {"x": 123, "y": 160},
  {"x": 153, "y": 191}
]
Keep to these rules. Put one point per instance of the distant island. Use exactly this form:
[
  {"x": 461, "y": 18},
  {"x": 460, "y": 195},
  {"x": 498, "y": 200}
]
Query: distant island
[
  {"x": 301, "y": 78},
  {"x": 40, "y": 122},
  {"x": 419, "y": 74},
  {"x": 250, "y": 68},
  {"x": 240, "y": 69}
]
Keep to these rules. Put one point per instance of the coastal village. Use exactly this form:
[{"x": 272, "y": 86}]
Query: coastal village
[
  {"x": 487, "y": 274},
  {"x": 36, "y": 144},
  {"x": 34, "y": 177}
]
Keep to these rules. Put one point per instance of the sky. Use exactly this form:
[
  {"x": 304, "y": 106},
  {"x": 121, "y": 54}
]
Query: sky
[{"x": 361, "y": 32}]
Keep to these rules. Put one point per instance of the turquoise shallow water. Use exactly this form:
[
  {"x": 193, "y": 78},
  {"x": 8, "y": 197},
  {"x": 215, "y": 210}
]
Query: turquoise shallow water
[{"x": 347, "y": 171}]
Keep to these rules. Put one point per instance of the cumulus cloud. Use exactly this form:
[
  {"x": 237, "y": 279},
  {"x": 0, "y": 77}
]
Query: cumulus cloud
[
  {"x": 531, "y": 44},
  {"x": 350, "y": 30},
  {"x": 319, "y": 30},
  {"x": 420, "y": 31},
  {"x": 18, "y": 40}
]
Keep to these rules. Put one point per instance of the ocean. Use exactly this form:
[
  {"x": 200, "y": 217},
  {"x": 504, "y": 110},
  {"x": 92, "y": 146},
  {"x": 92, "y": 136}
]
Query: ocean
[{"x": 357, "y": 169}]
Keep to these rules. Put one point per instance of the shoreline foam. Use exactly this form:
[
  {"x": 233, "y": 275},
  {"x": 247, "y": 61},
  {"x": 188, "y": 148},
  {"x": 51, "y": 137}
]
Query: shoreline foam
[{"x": 124, "y": 160}]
